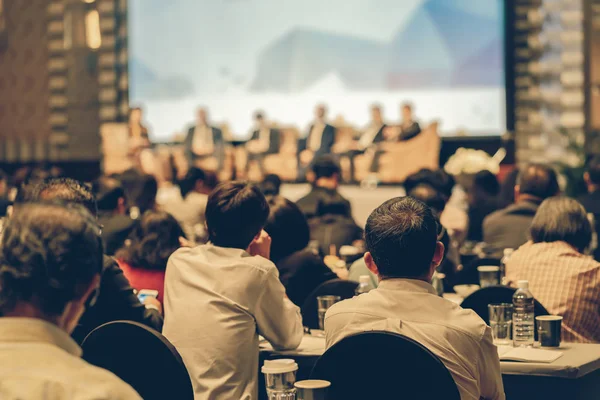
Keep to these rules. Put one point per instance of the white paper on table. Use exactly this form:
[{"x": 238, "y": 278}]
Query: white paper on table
[
  {"x": 309, "y": 345},
  {"x": 528, "y": 354}
]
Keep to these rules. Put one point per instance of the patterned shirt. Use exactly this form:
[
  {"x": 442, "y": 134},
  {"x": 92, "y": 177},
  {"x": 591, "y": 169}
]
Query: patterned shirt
[{"x": 566, "y": 282}]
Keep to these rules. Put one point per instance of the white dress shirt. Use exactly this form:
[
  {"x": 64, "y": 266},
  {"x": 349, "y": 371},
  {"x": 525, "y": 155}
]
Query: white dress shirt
[
  {"x": 368, "y": 136},
  {"x": 316, "y": 136},
  {"x": 217, "y": 301},
  {"x": 38, "y": 360},
  {"x": 460, "y": 339}
]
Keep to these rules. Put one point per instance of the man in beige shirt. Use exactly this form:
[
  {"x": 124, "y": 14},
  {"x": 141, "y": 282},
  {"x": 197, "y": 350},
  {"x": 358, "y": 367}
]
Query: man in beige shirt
[
  {"x": 401, "y": 238},
  {"x": 219, "y": 297},
  {"x": 50, "y": 263}
]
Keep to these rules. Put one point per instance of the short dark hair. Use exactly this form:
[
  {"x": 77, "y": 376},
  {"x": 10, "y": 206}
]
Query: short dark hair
[
  {"x": 287, "y": 227},
  {"x": 438, "y": 179},
  {"x": 486, "y": 182},
  {"x": 539, "y": 181},
  {"x": 593, "y": 169},
  {"x": 235, "y": 213},
  {"x": 108, "y": 191},
  {"x": 271, "y": 185},
  {"x": 63, "y": 189},
  {"x": 326, "y": 167},
  {"x": 187, "y": 184},
  {"x": 49, "y": 254},
  {"x": 401, "y": 235},
  {"x": 152, "y": 241},
  {"x": 429, "y": 196},
  {"x": 561, "y": 219}
]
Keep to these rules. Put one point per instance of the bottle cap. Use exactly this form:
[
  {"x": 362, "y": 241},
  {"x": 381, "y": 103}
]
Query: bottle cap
[
  {"x": 523, "y": 284},
  {"x": 364, "y": 279},
  {"x": 281, "y": 366}
]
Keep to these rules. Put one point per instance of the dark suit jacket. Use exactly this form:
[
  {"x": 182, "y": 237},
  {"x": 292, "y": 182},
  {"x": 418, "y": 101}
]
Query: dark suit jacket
[
  {"x": 379, "y": 137},
  {"x": 410, "y": 132},
  {"x": 509, "y": 227},
  {"x": 309, "y": 204},
  {"x": 591, "y": 203},
  {"x": 327, "y": 140},
  {"x": 274, "y": 140},
  {"x": 189, "y": 139},
  {"x": 115, "y": 230},
  {"x": 116, "y": 301}
]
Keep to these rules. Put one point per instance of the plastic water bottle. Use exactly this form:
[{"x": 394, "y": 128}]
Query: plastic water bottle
[
  {"x": 523, "y": 318},
  {"x": 363, "y": 284},
  {"x": 507, "y": 255}
]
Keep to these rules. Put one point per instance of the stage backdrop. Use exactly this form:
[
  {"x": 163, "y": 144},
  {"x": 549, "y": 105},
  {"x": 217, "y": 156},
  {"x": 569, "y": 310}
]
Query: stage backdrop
[{"x": 284, "y": 56}]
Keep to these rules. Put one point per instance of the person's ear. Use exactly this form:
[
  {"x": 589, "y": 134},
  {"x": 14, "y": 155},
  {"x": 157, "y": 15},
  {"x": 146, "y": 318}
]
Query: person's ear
[
  {"x": 438, "y": 255},
  {"x": 371, "y": 263}
]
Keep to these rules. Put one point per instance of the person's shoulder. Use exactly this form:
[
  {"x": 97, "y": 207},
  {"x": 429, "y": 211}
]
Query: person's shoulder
[
  {"x": 102, "y": 381},
  {"x": 495, "y": 216}
]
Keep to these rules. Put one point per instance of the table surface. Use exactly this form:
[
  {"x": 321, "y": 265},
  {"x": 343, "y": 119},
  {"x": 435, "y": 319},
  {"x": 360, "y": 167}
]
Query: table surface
[{"x": 578, "y": 359}]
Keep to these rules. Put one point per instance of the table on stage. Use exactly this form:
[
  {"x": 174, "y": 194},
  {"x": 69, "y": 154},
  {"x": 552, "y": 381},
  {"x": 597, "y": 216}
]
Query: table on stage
[{"x": 574, "y": 376}]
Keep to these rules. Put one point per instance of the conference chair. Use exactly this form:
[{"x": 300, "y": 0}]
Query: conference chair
[
  {"x": 140, "y": 356},
  {"x": 335, "y": 287},
  {"x": 478, "y": 301},
  {"x": 384, "y": 365},
  {"x": 469, "y": 274}
]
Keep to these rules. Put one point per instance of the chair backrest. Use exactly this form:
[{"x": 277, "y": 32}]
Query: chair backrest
[
  {"x": 335, "y": 287},
  {"x": 478, "y": 301},
  {"x": 384, "y": 365},
  {"x": 140, "y": 356}
]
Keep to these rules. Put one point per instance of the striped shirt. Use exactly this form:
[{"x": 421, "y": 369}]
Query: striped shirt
[{"x": 566, "y": 282}]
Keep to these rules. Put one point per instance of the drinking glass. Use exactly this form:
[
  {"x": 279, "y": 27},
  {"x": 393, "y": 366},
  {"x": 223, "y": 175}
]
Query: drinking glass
[
  {"x": 501, "y": 322},
  {"x": 489, "y": 275},
  {"x": 323, "y": 304}
]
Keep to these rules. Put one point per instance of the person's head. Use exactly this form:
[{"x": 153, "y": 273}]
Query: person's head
[
  {"x": 193, "y": 181},
  {"x": 152, "y": 241},
  {"x": 327, "y": 172},
  {"x": 401, "y": 240},
  {"x": 536, "y": 182},
  {"x": 485, "y": 186},
  {"x": 430, "y": 196},
  {"x": 236, "y": 213},
  {"x": 259, "y": 118},
  {"x": 592, "y": 174},
  {"x": 142, "y": 192},
  {"x": 376, "y": 114},
  {"x": 50, "y": 263},
  {"x": 62, "y": 189},
  {"x": 202, "y": 116},
  {"x": 135, "y": 115},
  {"x": 407, "y": 114},
  {"x": 270, "y": 185},
  {"x": 333, "y": 205},
  {"x": 439, "y": 180},
  {"x": 561, "y": 219},
  {"x": 110, "y": 195},
  {"x": 320, "y": 112},
  {"x": 287, "y": 227}
]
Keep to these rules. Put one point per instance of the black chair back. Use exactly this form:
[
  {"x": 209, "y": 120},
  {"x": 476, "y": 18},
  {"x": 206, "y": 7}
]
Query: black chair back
[
  {"x": 478, "y": 301},
  {"x": 140, "y": 356},
  {"x": 384, "y": 365},
  {"x": 469, "y": 274},
  {"x": 334, "y": 287}
]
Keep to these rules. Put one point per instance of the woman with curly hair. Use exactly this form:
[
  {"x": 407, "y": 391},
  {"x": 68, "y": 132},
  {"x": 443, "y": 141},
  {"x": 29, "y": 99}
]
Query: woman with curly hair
[{"x": 144, "y": 257}]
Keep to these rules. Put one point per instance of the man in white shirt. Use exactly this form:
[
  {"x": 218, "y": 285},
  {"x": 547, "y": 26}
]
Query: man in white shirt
[
  {"x": 401, "y": 238},
  {"x": 219, "y": 297},
  {"x": 51, "y": 259},
  {"x": 318, "y": 142},
  {"x": 204, "y": 141},
  {"x": 264, "y": 141}
]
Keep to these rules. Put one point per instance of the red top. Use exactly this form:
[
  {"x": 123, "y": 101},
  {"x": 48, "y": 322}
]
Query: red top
[{"x": 140, "y": 278}]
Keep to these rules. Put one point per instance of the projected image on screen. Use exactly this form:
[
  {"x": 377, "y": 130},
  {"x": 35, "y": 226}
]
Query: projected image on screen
[{"x": 238, "y": 56}]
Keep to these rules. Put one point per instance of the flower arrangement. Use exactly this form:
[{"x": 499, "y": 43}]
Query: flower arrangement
[{"x": 471, "y": 161}]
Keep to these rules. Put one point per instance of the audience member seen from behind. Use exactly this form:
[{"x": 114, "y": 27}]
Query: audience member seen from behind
[
  {"x": 300, "y": 270},
  {"x": 483, "y": 200},
  {"x": 403, "y": 250},
  {"x": 560, "y": 275},
  {"x": 140, "y": 190},
  {"x": 333, "y": 228},
  {"x": 220, "y": 296},
  {"x": 509, "y": 227},
  {"x": 270, "y": 185},
  {"x": 113, "y": 215},
  {"x": 591, "y": 200},
  {"x": 50, "y": 266},
  {"x": 144, "y": 258},
  {"x": 116, "y": 300},
  {"x": 327, "y": 180}
]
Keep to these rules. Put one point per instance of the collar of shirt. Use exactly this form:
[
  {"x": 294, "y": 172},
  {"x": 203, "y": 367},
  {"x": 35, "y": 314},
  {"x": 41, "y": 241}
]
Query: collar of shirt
[
  {"x": 407, "y": 285},
  {"x": 33, "y": 330}
]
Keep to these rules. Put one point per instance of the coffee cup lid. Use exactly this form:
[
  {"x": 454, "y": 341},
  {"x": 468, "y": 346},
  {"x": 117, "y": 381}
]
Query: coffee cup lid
[
  {"x": 549, "y": 318},
  {"x": 488, "y": 268},
  {"x": 312, "y": 384},
  {"x": 281, "y": 366}
]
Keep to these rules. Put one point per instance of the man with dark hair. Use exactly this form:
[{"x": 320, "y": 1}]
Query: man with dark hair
[
  {"x": 220, "y": 296},
  {"x": 591, "y": 200},
  {"x": 327, "y": 174},
  {"x": 50, "y": 266},
  {"x": 563, "y": 278},
  {"x": 112, "y": 213},
  {"x": 403, "y": 250},
  {"x": 508, "y": 228},
  {"x": 116, "y": 301}
]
